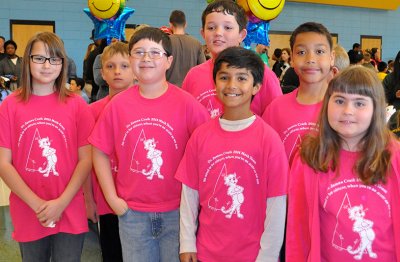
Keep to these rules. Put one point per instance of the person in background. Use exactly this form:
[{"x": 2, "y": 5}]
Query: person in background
[
  {"x": 11, "y": 66},
  {"x": 186, "y": 50},
  {"x": 76, "y": 85},
  {"x": 367, "y": 61},
  {"x": 375, "y": 56},
  {"x": 390, "y": 66},
  {"x": 262, "y": 51},
  {"x": 382, "y": 70},
  {"x": 341, "y": 62},
  {"x": 276, "y": 68},
  {"x": 353, "y": 53},
  {"x": 2, "y": 53},
  {"x": 391, "y": 84}
]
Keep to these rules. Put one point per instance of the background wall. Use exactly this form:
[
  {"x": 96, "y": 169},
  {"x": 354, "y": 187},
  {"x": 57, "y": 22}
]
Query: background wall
[{"x": 74, "y": 26}]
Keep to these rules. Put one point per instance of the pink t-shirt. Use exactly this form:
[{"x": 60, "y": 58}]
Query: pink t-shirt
[
  {"x": 234, "y": 173},
  {"x": 101, "y": 203},
  {"x": 148, "y": 137},
  {"x": 356, "y": 219},
  {"x": 44, "y": 135},
  {"x": 199, "y": 82},
  {"x": 292, "y": 120}
]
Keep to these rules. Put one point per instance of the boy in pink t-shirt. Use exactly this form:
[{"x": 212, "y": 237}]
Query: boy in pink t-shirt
[
  {"x": 147, "y": 128},
  {"x": 224, "y": 25},
  {"x": 234, "y": 171},
  {"x": 117, "y": 72},
  {"x": 295, "y": 114}
]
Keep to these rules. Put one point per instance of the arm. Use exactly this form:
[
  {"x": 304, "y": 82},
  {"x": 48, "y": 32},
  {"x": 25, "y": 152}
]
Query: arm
[
  {"x": 274, "y": 224},
  {"x": 102, "y": 167},
  {"x": 14, "y": 181},
  {"x": 51, "y": 210},
  {"x": 91, "y": 209},
  {"x": 189, "y": 211}
]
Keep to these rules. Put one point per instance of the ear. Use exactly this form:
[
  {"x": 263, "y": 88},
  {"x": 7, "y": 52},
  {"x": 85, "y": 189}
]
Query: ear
[
  {"x": 242, "y": 35},
  {"x": 256, "y": 88},
  {"x": 332, "y": 58},
  {"x": 202, "y": 33},
  {"x": 169, "y": 61}
]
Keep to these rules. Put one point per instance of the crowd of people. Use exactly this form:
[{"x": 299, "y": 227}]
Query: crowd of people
[{"x": 180, "y": 158}]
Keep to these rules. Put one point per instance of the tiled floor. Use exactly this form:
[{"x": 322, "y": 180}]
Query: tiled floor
[{"x": 9, "y": 250}]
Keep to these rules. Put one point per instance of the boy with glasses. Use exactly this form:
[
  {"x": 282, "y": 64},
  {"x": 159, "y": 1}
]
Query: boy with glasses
[{"x": 147, "y": 128}]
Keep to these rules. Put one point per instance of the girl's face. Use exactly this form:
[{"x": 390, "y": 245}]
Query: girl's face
[
  {"x": 285, "y": 56},
  {"x": 350, "y": 116},
  {"x": 43, "y": 75}
]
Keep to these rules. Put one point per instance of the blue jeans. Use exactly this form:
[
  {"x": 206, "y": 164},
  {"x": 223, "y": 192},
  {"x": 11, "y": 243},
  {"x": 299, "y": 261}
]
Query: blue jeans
[
  {"x": 59, "y": 247},
  {"x": 149, "y": 237}
]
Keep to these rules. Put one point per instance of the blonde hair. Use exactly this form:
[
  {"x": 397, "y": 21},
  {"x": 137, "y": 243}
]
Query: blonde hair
[
  {"x": 321, "y": 152},
  {"x": 113, "y": 49},
  {"x": 55, "y": 48}
]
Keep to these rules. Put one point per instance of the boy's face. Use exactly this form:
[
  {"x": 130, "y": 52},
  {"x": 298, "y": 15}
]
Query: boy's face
[
  {"x": 117, "y": 72},
  {"x": 221, "y": 31},
  {"x": 73, "y": 86},
  {"x": 312, "y": 58},
  {"x": 235, "y": 87},
  {"x": 149, "y": 70}
]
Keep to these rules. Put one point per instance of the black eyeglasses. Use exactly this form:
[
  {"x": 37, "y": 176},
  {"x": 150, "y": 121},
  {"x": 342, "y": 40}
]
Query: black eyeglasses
[
  {"x": 153, "y": 54},
  {"x": 38, "y": 59}
]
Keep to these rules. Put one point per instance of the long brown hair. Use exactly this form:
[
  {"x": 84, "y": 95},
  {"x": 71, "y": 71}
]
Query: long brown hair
[
  {"x": 322, "y": 152},
  {"x": 56, "y": 49}
]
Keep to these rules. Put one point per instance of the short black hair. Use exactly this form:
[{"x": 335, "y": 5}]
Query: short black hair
[
  {"x": 311, "y": 27},
  {"x": 153, "y": 34},
  {"x": 382, "y": 66},
  {"x": 356, "y": 45},
  {"x": 226, "y": 7},
  {"x": 239, "y": 57},
  {"x": 79, "y": 82},
  {"x": 278, "y": 53},
  {"x": 177, "y": 18},
  {"x": 2, "y": 37},
  {"x": 10, "y": 42}
]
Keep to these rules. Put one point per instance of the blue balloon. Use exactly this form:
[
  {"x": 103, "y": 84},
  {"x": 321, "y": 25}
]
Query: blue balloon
[
  {"x": 110, "y": 28},
  {"x": 257, "y": 33}
]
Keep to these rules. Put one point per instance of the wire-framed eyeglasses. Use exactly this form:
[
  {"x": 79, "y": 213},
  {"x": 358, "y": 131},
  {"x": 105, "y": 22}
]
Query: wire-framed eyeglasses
[
  {"x": 38, "y": 59},
  {"x": 153, "y": 54}
]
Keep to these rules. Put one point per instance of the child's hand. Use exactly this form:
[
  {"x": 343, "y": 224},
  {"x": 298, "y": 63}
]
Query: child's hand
[
  {"x": 119, "y": 206},
  {"x": 50, "y": 212},
  {"x": 188, "y": 257},
  {"x": 91, "y": 211}
]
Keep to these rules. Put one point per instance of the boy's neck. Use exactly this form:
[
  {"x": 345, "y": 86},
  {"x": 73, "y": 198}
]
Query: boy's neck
[
  {"x": 311, "y": 94},
  {"x": 112, "y": 92},
  {"x": 153, "y": 90},
  {"x": 235, "y": 114}
]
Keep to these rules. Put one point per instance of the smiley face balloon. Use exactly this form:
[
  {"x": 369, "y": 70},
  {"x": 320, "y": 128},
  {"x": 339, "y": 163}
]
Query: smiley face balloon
[
  {"x": 106, "y": 9},
  {"x": 266, "y": 9}
]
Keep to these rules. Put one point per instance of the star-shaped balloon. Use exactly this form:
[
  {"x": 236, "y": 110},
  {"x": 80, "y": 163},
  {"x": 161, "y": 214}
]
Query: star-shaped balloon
[
  {"x": 110, "y": 28},
  {"x": 257, "y": 33}
]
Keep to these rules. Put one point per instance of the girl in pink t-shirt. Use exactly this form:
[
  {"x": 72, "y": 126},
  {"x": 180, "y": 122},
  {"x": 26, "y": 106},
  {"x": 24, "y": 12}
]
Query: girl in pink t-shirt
[
  {"x": 344, "y": 182},
  {"x": 45, "y": 156}
]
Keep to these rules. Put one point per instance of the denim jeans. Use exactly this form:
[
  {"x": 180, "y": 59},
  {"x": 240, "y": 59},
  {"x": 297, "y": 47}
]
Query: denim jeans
[
  {"x": 149, "y": 237},
  {"x": 61, "y": 247}
]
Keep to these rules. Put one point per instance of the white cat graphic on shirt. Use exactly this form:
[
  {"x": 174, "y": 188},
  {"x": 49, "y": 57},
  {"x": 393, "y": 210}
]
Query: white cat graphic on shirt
[
  {"x": 50, "y": 154},
  {"x": 364, "y": 229},
  {"x": 236, "y": 193},
  {"x": 154, "y": 155}
]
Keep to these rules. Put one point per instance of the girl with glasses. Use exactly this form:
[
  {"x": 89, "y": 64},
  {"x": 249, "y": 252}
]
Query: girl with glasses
[{"x": 45, "y": 156}]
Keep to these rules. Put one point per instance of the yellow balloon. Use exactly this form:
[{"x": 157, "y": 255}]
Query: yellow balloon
[
  {"x": 243, "y": 3},
  {"x": 266, "y": 9},
  {"x": 105, "y": 9}
]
